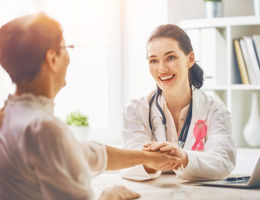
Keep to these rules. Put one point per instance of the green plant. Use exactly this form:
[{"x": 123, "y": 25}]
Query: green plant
[{"x": 77, "y": 119}]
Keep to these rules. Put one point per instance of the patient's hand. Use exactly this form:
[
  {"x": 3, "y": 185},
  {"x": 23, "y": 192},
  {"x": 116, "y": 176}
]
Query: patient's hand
[
  {"x": 168, "y": 148},
  {"x": 118, "y": 193},
  {"x": 161, "y": 161}
]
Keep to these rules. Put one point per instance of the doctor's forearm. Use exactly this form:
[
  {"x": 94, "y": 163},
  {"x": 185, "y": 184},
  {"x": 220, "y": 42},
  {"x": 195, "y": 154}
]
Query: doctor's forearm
[
  {"x": 121, "y": 158},
  {"x": 218, "y": 167}
]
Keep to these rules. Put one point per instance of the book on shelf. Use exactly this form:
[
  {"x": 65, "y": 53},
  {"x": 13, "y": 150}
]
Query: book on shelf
[
  {"x": 250, "y": 59},
  {"x": 256, "y": 43},
  {"x": 241, "y": 63}
]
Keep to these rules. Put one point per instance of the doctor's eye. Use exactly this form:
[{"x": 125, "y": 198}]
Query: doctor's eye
[
  {"x": 152, "y": 61},
  {"x": 171, "y": 58}
]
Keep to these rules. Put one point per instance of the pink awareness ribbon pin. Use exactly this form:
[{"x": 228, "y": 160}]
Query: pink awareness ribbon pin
[{"x": 199, "y": 131}]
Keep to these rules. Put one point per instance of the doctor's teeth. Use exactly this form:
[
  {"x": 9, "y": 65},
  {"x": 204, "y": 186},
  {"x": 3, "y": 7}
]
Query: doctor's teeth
[{"x": 165, "y": 78}]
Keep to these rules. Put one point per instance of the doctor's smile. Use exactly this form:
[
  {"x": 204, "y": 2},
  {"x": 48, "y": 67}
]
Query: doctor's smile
[{"x": 166, "y": 79}]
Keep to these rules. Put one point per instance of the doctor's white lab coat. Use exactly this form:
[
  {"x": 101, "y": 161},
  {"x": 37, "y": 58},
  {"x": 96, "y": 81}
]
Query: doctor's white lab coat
[{"x": 216, "y": 161}]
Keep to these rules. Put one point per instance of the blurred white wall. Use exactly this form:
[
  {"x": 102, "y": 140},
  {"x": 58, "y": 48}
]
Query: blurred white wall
[
  {"x": 139, "y": 19},
  {"x": 94, "y": 74}
]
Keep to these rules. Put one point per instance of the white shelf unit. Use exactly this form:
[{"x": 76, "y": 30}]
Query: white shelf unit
[{"x": 237, "y": 97}]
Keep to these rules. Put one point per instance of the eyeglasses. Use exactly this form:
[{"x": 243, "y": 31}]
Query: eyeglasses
[{"x": 71, "y": 46}]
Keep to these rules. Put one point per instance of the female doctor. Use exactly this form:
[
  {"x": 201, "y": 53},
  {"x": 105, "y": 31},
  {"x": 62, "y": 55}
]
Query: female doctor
[{"x": 178, "y": 117}]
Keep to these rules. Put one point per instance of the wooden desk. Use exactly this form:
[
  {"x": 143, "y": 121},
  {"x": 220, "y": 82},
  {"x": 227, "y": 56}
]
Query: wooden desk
[{"x": 169, "y": 187}]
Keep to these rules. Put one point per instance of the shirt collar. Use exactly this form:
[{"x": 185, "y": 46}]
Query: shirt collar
[{"x": 40, "y": 101}]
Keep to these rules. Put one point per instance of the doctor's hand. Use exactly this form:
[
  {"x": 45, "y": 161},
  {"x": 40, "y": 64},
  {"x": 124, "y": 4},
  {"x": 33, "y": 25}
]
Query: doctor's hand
[
  {"x": 168, "y": 148},
  {"x": 118, "y": 193},
  {"x": 161, "y": 161}
]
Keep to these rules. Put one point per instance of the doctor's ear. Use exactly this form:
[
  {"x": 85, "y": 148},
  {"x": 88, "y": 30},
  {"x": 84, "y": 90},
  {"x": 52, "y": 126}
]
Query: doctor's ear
[
  {"x": 51, "y": 59},
  {"x": 191, "y": 59}
]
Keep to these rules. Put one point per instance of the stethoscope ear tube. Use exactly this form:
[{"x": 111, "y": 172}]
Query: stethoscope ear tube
[
  {"x": 185, "y": 128},
  {"x": 150, "y": 107},
  {"x": 160, "y": 109},
  {"x": 187, "y": 124},
  {"x": 156, "y": 96}
]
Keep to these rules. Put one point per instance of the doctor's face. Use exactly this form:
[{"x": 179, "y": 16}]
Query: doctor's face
[{"x": 168, "y": 64}]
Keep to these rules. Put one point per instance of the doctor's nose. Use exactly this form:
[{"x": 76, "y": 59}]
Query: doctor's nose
[{"x": 163, "y": 68}]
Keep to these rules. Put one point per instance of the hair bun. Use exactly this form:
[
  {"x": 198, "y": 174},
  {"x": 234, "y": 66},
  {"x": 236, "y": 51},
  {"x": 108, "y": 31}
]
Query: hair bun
[{"x": 196, "y": 76}]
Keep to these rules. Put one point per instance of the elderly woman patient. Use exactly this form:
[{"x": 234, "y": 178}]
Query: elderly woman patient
[{"x": 39, "y": 158}]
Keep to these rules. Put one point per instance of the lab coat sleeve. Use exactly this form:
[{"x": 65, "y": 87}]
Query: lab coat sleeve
[
  {"x": 135, "y": 135},
  {"x": 59, "y": 162},
  {"x": 219, "y": 155}
]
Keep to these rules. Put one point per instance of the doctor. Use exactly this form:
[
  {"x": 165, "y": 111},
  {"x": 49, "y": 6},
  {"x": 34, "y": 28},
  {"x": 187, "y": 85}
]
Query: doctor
[{"x": 178, "y": 117}]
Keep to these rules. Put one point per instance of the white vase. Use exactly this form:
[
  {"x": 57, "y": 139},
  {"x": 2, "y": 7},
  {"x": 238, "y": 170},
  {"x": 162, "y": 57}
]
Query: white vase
[
  {"x": 257, "y": 7},
  {"x": 214, "y": 9},
  {"x": 252, "y": 127},
  {"x": 81, "y": 133}
]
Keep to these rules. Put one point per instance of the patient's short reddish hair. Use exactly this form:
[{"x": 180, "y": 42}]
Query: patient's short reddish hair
[{"x": 24, "y": 42}]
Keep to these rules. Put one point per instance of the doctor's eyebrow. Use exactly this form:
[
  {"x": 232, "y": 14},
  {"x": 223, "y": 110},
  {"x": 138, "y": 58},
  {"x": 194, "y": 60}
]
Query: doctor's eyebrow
[{"x": 169, "y": 52}]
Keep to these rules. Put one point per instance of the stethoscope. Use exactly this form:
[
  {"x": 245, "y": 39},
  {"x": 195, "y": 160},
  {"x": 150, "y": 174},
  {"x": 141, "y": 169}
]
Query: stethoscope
[{"x": 185, "y": 128}]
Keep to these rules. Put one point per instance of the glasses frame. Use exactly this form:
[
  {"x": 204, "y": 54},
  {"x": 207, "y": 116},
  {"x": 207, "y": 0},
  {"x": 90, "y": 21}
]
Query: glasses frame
[{"x": 71, "y": 46}]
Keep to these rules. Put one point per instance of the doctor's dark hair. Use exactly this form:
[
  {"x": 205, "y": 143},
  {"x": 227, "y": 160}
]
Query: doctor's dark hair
[
  {"x": 176, "y": 33},
  {"x": 24, "y": 42}
]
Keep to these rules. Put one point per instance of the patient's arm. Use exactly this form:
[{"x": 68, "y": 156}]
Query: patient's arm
[{"x": 121, "y": 158}]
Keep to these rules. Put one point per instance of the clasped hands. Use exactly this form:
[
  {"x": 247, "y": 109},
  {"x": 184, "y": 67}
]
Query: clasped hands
[{"x": 169, "y": 157}]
